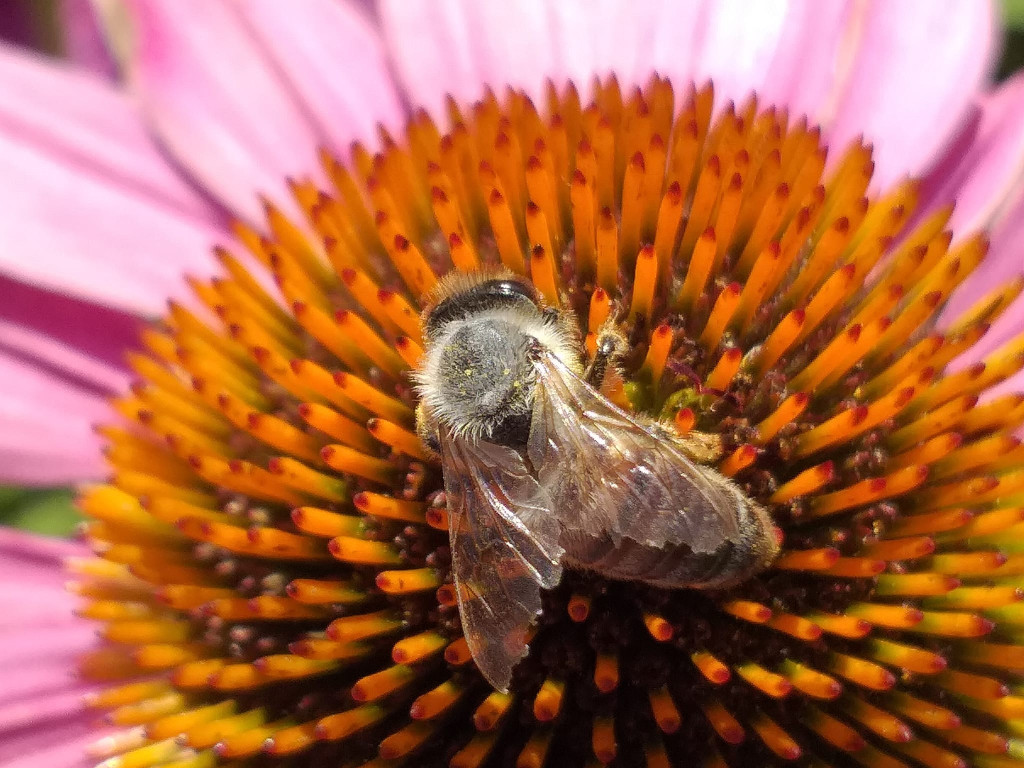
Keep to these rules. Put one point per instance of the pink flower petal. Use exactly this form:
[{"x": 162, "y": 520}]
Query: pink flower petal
[
  {"x": 333, "y": 60},
  {"x": 785, "y": 49},
  {"x": 85, "y": 340},
  {"x": 457, "y": 46},
  {"x": 46, "y": 435},
  {"x": 1005, "y": 261},
  {"x": 96, "y": 212},
  {"x": 36, "y": 747},
  {"x": 217, "y": 102},
  {"x": 984, "y": 169},
  {"x": 42, "y": 719},
  {"x": 72, "y": 231},
  {"x": 916, "y": 67},
  {"x": 27, "y": 550},
  {"x": 806, "y": 68},
  {"x": 83, "y": 39},
  {"x": 87, "y": 122},
  {"x": 66, "y": 361}
]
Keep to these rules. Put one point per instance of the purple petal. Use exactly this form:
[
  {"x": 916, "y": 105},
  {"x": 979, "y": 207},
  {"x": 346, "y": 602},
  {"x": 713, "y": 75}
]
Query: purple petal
[
  {"x": 46, "y": 435},
  {"x": 96, "y": 211},
  {"x": 84, "y": 339},
  {"x": 217, "y": 101},
  {"x": 983, "y": 169},
  {"x": 38, "y": 647},
  {"x": 915, "y": 67},
  {"x": 83, "y": 39},
  {"x": 334, "y": 62}
]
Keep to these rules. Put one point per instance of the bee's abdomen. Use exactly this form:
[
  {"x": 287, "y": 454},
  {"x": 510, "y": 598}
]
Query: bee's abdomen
[{"x": 677, "y": 566}]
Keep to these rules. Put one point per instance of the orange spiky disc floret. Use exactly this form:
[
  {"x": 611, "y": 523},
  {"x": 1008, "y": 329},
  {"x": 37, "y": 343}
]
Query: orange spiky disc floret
[{"x": 273, "y": 567}]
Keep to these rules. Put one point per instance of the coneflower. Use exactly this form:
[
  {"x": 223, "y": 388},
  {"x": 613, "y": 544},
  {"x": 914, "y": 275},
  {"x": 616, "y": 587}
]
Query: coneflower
[{"x": 273, "y": 573}]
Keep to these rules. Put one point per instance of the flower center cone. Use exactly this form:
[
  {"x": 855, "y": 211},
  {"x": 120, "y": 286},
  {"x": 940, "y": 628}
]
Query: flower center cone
[{"x": 273, "y": 571}]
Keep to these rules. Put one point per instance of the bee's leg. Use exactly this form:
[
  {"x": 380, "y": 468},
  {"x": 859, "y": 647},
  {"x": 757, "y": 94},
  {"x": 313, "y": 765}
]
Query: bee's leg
[
  {"x": 701, "y": 447},
  {"x": 609, "y": 347},
  {"x": 698, "y": 447},
  {"x": 426, "y": 429}
]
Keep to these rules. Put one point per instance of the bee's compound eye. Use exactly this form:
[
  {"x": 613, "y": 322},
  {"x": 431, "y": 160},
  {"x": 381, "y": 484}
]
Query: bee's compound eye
[{"x": 490, "y": 294}]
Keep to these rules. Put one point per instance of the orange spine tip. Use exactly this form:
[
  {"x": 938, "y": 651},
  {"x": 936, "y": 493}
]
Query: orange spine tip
[
  {"x": 855, "y": 568},
  {"x": 807, "y": 559},
  {"x": 795, "y": 626},
  {"x": 670, "y": 215},
  {"x": 543, "y": 274},
  {"x": 835, "y": 732},
  {"x": 548, "y": 701},
  {"x": 728, "y": 364},
  {"x": 382, "y": 505},
  {"x": 302, "y": 478},
  {"x": 666, "y": 714},
  {"x": 410, "y": 650},
  {"x": 579, "y": 608},
  {"x": 344, "y": 724},
  {"x": 502, "y": 224},
  {"x": 368, "y": 342},
  {"x": 863, "y": 673},
  {"x": 457, "y": 653},
  {"x": 810, "y": 681},
  {"x": 908, "y": 548},
  {"x": 407, "y": 581},
  {"x": 491, "y": 710},
  {"x": 786, "y": 413},
  {"x": 658, "y": 628},
  {"x": 713, "y": 670},
  {"x": 924, "y": 712},
  {"x": 316, "y": 591},
  {"x": 581, "y": 192},
  {"x": 723, "y": 722},
  {"x": 607, "y": 250},
  {"x": 371, "y": 398},
  {"x": 436, "y": 701},
  {"x": 336, "y": 426},
  {"x": 807, "y": 482},
  {"x": 867, "y": 491},
  {"x": 400, "y": 439},
  {"x": 767, "y": 682},
  {"x": 906, "y": 656},
  {"x": 380, "y": 684},
  {"x": 748, "y": 611},
  {"x": 645, "y": 283},
  {"x": 738, "y": 460},
  {"x": 657, "y": 353},
  {"x": 684, "y": 420},
  {"x": 320, "y": 522},
  {"x": 877, "y": 720},
  {"x": 350, "y": 461},
  {"x": 606, "y": 673},
  {"x": 603, "y": 739},
  {"x": 361, "y": 552},
  {"x": 600, "y": 309}
]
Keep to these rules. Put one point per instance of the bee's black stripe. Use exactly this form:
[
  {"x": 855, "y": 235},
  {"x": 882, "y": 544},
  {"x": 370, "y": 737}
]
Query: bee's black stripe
[{"x": 489, "y": 294}]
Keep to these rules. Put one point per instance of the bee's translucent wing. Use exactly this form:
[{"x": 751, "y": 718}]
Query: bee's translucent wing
[
  {"x": 609, "y": 475},
  {"x": 504, "y": 542}
]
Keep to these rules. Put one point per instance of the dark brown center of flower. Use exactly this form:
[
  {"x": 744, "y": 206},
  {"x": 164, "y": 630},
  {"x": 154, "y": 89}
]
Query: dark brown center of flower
[{"x": 273, "y": 566}]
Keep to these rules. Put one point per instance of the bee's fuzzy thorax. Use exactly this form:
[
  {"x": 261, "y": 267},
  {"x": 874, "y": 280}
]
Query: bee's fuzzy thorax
[{"x": 471, "y": 398}]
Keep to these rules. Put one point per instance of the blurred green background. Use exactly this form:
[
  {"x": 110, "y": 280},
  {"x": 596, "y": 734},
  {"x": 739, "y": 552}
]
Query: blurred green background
[{"x": 35, "y": 23}]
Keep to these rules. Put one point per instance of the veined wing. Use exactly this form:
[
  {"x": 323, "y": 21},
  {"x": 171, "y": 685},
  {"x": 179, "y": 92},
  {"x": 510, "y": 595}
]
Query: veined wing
[
  {"x": 504, "y": 542},
  {"x": 608, "y": 474}
]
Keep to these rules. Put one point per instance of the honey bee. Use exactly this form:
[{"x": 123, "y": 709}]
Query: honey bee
[{"x": 542, "y": 472}]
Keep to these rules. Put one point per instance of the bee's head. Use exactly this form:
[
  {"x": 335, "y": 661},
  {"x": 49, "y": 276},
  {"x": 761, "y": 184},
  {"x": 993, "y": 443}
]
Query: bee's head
[{"x": 477, "y": 377}]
